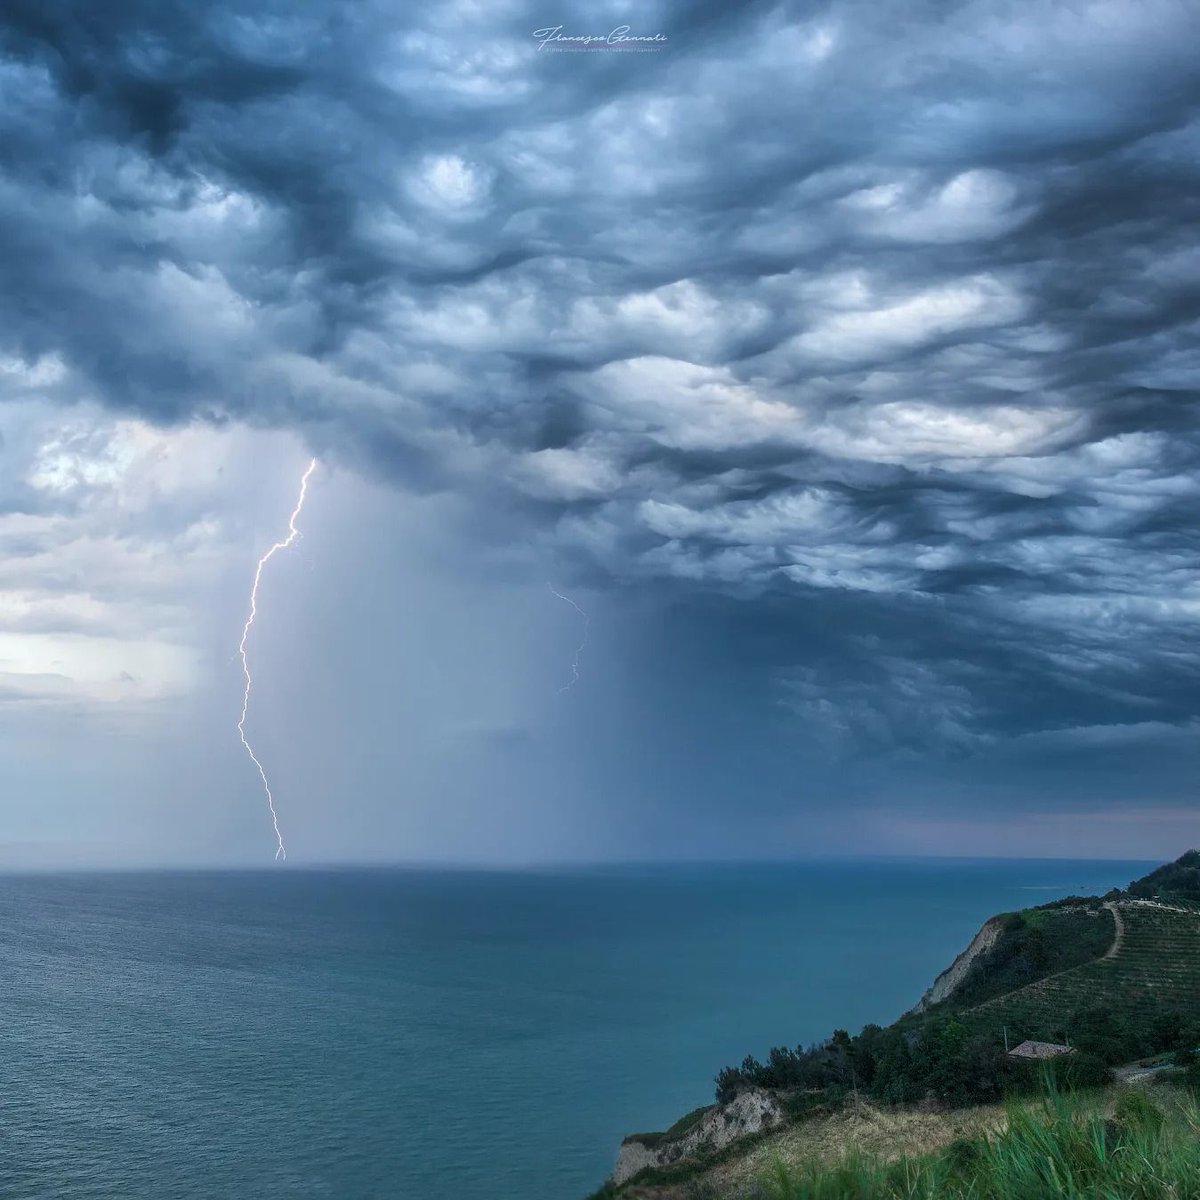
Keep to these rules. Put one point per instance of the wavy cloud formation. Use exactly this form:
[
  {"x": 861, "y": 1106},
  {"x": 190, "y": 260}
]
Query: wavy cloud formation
[{"x": 878, "y": 305}]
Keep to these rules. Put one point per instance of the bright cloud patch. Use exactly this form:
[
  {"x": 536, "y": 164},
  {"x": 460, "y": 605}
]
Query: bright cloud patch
[{"x": 110, "y": 533}]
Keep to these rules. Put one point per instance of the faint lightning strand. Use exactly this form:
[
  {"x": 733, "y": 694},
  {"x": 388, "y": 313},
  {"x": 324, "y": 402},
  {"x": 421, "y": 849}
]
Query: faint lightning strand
[
  {"x": 293, "y": 534},
  {"x": 579, "y": 649}
]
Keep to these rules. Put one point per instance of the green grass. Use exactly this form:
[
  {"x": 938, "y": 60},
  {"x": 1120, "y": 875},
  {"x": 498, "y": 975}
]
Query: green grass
[
  {"x": 1035, "y": 943},
  {"x": 1158, "y": 966},
  {"x": 686, "y": 1122},
  {"x": 1062, "y": 1147}
]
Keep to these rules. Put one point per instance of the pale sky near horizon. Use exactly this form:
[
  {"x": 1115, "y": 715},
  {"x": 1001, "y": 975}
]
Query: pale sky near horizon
[{"x": 839, "y": 360}]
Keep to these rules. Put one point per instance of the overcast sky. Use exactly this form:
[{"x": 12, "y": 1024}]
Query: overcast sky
[{"x": 839, "y": 360}]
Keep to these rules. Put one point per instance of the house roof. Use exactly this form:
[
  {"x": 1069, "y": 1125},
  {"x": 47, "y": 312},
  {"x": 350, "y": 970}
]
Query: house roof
[{"x": 1039, "y": 1050}]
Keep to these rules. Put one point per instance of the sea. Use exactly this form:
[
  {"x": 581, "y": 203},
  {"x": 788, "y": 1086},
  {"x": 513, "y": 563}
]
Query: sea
[{"x": 436, "y": 1034}]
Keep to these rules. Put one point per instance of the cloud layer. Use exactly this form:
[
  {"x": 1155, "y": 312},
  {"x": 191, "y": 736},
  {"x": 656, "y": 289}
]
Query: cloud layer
[{"x": 884, "y": 316}]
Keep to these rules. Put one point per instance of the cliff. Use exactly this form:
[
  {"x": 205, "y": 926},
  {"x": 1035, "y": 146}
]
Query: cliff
[
  {"x": 943, "y": 986},
  {"x": 753, "y": 1111}
]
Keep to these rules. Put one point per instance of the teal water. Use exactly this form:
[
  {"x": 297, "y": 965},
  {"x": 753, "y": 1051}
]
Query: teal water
[{"x": 433, "y": 1035}]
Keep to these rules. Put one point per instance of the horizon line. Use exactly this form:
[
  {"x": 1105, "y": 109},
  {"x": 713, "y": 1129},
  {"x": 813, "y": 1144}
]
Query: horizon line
[{"x": 478, "y": 866}]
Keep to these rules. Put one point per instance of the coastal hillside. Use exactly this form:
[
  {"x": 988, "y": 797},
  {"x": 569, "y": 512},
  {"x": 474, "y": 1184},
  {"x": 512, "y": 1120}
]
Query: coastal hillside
[
  {"x": 1074, "y": 988},
  {"x": 1124, "y": 1140},
  {"x": 1016, "y": 949},
  {"x": 1150, "y": 971}
]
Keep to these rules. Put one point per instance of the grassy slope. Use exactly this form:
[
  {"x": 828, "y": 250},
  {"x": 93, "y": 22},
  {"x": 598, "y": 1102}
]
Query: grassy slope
[
  {"x": 989, "y": 1152},
  {"x": 1157, "y": 965},
  {"x": 1032, "y": 944},
  {"x": 864, "y": 1128},
  {"x": 1082, "y": 1148}
]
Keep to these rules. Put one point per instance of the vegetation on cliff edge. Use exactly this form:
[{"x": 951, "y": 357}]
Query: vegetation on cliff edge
[{"x": 1066, "y": 1147}]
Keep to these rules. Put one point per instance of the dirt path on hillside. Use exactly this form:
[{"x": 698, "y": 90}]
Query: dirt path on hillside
[
  {"x": 1115, "y": 948},
  {"x": 1038, "y": 985}
]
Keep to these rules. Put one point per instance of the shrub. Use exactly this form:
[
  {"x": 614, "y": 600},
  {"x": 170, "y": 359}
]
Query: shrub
[{"x": 1134, "y": 1109}]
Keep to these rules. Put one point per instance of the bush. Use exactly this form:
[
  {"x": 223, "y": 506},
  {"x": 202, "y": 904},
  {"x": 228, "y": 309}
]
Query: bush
[
  {"x": 1081, "y": 1070},
  {"x": 1135, "y": 1110}
]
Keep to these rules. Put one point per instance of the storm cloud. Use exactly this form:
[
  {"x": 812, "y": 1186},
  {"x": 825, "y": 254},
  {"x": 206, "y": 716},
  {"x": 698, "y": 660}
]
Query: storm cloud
[{"x": 870, "y": 331}]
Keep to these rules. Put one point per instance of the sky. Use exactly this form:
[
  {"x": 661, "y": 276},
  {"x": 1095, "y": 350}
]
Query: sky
[{"x": 838, "y": 360}]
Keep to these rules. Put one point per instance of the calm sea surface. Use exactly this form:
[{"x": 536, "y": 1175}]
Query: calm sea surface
[{"x": 434, "y": 1035}]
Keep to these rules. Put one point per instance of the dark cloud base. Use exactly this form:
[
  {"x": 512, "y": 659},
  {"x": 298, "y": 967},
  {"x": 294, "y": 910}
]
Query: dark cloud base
[{"x": 878, "y": 320}]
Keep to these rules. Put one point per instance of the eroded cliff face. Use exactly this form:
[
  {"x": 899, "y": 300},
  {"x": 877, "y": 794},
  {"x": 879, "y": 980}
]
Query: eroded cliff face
[
  {"x": 750, "y": 1112},
  {"x": 943, "y": 986}
]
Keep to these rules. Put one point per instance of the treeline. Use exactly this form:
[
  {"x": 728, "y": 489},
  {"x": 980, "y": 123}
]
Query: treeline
[
  {"x": 1122, "y": 1035},
  {"x": 940, "y": 1058},
  {"x": 947, "y": 1060},
  {"x": 1177, "y": 880}
]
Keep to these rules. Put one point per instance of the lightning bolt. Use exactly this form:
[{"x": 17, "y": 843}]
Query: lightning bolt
[
  {"x": 293, "y": 534},
  {"x": 583, "y": 642}
]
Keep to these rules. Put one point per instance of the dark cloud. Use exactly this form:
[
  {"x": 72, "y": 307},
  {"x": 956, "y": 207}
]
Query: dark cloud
[{"x": 881, "y": 314}]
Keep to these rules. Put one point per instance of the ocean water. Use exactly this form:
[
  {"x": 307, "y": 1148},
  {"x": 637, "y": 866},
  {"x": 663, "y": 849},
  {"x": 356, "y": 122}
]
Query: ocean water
[{"x": 435, "y": 1035}]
